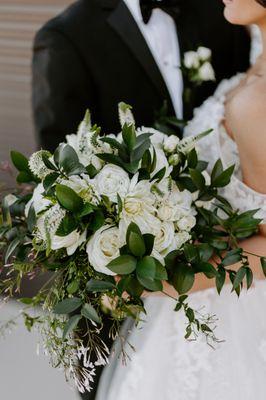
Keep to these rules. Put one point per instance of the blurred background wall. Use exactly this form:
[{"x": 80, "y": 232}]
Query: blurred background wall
[
  {"x": 23, "y": 375},
  {"x": 19, "y": 21}
]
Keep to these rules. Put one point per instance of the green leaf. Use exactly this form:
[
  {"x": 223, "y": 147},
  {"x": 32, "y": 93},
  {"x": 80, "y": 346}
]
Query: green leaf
[
  {"x": 208, "y": 269},
  {"x": 136, "y": 244},
  {"x": 91, "y": 171},
  {"x": 31, "y": 219},
  {"x": 249, "y": 277},
  {"x": 190, "y": 314},
  {"x": 153, "y": 285},
  {"x": 263, "y": 264},
  {"x": 240, "y": 275},
  {"x": 99, "y": 286},
  {"x": 149, "y": 242},
  {"x": 26, "y": 300},
  {"x": 19, "y": 161},
  {"x": 11, "y": 249},
  {"x": 97, "y": 220},
  {"x": 89, "y": 312},
  {"x": 71, "y": 324},
  {"x": 159, "y": 175},
  {"x": 132, "y": 228},
  {"x": 123, "y": 265},
  {"x": 24, "y": 177},
  {"x": 69, "y": 161},
  {"x": 73, "y": 287},
  {"x": 220, "y": 279},
  {"x": 190, "y": 252},
  {"x": 161, "y": 272},
  {"x": 183, "y": 278},
  {"x": 129, "y": 136},
  {"x": 232, "y": 257},
  {"x": 224, "y": 178},
  {"x": 67, "y": 225},
  {"x": 68, "y": 198},
  {"x": 217, "y": 170},
  {"x": 197, "y": 178},
  {"x": 192, "y": 159},
  {"x": 47, "y": 162},
  {"x": 205, "y": 252},
  {"x": 6, "y": 217},
  {"x": 133, "y": 286},
  {"x": 67, "y": 306},
  {"x": 146, "y": 268},
  {"x": 141, "y": 148},
  {"x": 49, "y": 180}
]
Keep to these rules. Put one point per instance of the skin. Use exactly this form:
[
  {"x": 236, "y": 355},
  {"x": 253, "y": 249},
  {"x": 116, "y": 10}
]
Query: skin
[{"x": 245, "y": 122}]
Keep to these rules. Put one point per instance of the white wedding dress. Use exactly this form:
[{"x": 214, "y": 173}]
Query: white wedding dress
[{"x": 165, "y": 366}]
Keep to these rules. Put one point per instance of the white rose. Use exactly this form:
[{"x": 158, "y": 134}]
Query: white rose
[
  {"x": 204, "y": 53},
  {"x": 191, "y": 59},
  {"x": 38, "y": 201},
  {"x": 206, "y": 72},
  {"x": 112, "y": 180},
  {"x": 186, "y": 223},
  {"x": 71, "y": 242},
  {"x": 170, "y": 143},
  {"x": 181, "y": 238},
  {"x": 103, "y": 247},
  {"x": 164, "y": 238}
]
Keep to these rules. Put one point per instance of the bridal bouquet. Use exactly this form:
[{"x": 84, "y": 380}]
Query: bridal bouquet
[{"x": 111, "y": 217}]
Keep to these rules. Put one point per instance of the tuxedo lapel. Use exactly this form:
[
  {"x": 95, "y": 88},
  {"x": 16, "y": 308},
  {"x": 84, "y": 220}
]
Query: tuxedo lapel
[{"x": 124, "y": 24}]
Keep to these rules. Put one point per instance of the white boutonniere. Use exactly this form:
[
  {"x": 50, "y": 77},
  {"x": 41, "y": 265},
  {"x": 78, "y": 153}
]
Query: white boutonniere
[{"x": 197, "y": 66}]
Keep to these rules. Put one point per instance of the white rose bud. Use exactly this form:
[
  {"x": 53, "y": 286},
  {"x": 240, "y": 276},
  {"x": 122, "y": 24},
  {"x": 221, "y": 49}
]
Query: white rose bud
[
  {"x": 186, "y": 223},
  {"x": 191, "y": 59},
  {"x": 112, "y": 180},
  {"x": 206, "y": 72},
  {"x": 103, "y": 247},
  {"x": 204, "y": 53},
  {"x": 170, "y": 143},
  {"x": 174, "y": 159}
]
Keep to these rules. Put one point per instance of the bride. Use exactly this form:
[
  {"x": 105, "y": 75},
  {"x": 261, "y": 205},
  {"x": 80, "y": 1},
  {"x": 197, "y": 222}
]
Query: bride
[{"x": 165, "y": 366}]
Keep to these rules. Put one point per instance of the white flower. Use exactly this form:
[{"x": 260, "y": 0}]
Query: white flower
[
  {"x": 204, "y": 53},
  {"x": 170, "y": 143},
  {"x": 164, "y": 238},
  {"x": 174, "y": 159},
  {"x": 206, "y": 72},
  {"x": 191, "y": 59},
  {"x": 49, "y": 222},
  {"x": 186, "y": 223},
  {"x": 39, "y": 202},
  {"x": 103, "y": 247},
  {"x": 138, "y": 207},
  {"x": 71, "y": 242},
  {"x": 112, "y": 180},
  {"x": 37, "y": 165},
  {"x": 181, "y": 238},
  {"x": 125, "y": 114}
]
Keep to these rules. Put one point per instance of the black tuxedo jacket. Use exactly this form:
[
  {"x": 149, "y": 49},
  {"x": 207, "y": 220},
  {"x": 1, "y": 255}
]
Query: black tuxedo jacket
[{"x": 94, "y": 56}]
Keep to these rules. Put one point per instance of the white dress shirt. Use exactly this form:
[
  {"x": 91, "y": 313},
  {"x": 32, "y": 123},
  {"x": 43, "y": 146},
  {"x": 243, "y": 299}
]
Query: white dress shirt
[{"x": 161, "y": 37}]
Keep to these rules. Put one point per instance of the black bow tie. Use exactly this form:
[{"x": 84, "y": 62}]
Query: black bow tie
[{"x": 169, "y": 6}]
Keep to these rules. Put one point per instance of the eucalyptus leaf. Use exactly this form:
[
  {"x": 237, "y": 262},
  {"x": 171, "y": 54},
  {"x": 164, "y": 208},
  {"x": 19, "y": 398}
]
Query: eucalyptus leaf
[
  {"x": 123, "y": 265},
  {"x": 89, "y": 312},
  {"x": 99, "y": 286},
  {"x": 71, "y": 324},
  {"x": 67, "y": 306}
]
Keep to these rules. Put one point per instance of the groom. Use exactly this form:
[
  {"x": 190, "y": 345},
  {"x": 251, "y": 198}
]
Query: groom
[{"x": 100, "y": 52}]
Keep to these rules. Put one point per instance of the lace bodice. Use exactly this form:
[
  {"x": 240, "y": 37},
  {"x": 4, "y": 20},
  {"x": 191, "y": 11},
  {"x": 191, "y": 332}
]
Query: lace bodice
[{"x": 220, "y": 145}]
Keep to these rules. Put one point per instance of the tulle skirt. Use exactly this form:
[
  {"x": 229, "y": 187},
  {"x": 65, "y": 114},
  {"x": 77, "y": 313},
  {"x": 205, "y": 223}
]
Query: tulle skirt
[{"x": 165, "y": 366}]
